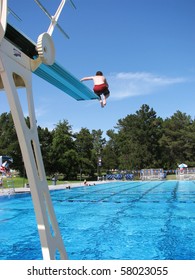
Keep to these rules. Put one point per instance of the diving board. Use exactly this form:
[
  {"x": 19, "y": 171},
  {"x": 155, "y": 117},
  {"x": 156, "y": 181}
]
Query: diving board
[
  {"x": 65, "y": 81},
  {"x": 20, "y": 58},
  {"x": 55, "y": 74}
]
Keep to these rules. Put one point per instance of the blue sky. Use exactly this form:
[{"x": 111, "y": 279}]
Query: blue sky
[{"x": 145, "y": 48}]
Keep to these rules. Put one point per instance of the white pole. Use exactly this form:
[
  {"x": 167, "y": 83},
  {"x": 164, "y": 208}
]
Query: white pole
[
  {"x": 55, "y": 17},
  {"x": 3, "y": 18}
]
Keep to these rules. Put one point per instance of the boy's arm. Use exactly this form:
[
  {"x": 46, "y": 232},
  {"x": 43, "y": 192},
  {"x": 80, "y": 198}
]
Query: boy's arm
[
  {"x": 106, "y": 82},
  {"x": 86, "y": 79}
]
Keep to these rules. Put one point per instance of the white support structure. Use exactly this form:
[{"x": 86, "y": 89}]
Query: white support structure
[
  {"x": 3, "y": 18},
  {"x": 15, "y": 71},
  {"x": 18, "y": 59},
  {"x": 11, "y": 67},
  {"x": 55, "y": 17}
]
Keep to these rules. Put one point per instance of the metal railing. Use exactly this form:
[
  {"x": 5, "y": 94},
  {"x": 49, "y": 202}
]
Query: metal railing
[{"x": 185, "y": 173}]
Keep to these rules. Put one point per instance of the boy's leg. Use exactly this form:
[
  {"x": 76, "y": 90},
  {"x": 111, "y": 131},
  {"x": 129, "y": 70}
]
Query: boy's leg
[
  {"x": 104, "y": 100},
  {"x": 101, "y": 101},
  {"x": 105, "y": 96}
]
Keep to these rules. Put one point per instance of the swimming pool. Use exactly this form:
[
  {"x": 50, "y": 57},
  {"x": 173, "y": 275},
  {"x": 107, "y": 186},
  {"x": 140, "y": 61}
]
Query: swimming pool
[{"x": 120, "y": 220}]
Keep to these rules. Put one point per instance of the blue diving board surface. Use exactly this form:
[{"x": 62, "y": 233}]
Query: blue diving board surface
[
  {"x": 54, "y": 74},
  {"x": 65, "y": 81}
]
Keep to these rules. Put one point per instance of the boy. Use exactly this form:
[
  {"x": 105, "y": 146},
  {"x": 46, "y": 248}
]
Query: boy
[{"x": 100, "y": 86}]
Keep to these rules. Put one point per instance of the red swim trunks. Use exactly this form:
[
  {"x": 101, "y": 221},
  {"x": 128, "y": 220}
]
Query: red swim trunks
[{"x": 101, "y": 89}]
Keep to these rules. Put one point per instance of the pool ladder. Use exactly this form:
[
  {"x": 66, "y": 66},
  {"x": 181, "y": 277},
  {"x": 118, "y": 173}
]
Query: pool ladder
[{"x": 10, "y": 186}]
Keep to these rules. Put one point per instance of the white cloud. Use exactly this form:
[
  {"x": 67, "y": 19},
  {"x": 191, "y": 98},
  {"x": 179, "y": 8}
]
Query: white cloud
[
  {"x": 123, "y": 85},
  {"x": 40, "y": 111}
]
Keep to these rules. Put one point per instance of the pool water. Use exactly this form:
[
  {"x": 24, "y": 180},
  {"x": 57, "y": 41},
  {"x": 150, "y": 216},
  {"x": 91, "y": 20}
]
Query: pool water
[{"x": 120, "y": 220}]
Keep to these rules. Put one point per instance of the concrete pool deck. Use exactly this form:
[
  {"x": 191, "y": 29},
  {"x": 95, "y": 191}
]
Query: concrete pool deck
[{"x": 9, "y": 191}]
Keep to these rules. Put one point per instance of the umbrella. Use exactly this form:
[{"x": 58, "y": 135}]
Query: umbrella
[{"x": 182, "y": 165}]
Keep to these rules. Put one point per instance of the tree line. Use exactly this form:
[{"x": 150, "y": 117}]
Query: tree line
[{"x": 140, "y": 140}]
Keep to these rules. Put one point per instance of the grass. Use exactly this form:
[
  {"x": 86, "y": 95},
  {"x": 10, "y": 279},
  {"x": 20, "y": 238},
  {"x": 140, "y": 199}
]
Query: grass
[
  {"x": 171, "y": 177},
  {"x": 19, "y": 182},
  {"x": 16, "y": 182}
]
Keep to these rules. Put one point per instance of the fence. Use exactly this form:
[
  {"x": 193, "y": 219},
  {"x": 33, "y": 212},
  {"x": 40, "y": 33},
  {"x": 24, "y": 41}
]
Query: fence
[
  {"x": 152, "y": 174},
  {"x": 185, "y": 173}
]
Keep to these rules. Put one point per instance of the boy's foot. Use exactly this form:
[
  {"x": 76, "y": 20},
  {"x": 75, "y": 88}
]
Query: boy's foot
[
  {"x": 104, "y": 103},
  {"x": 101, "y": 103}
]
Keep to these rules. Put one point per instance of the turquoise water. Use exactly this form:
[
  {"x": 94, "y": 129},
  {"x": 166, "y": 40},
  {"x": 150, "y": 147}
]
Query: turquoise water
[{"x": 122, "y": 220}]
